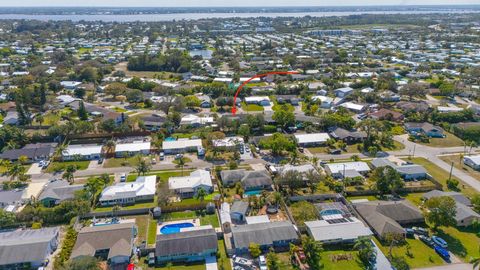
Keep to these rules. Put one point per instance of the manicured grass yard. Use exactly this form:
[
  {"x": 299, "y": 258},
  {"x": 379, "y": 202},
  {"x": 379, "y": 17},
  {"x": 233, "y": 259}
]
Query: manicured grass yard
[
  {"x": 422, "y": 255},
  {"x": 204, "y": 218},
  {"x": 61, "y": 165},
  {"x": 284, "y": 259},
  {"x": 440, "y": 174},
  {"x": 329, "y": 264},
  {"x": 152, "y": 232},
  {"x": 200, "y": 266},
  {"x": 161, "y": 175},
  {"x": 135, "y": 206},
  {"x": 121, "y": 162},
  {"x": 463, "y": 242},
  {"x": 303, "y": 211},
  {"x": 251, "y": 107},
  {"x": 142, "y": 223},
  {"x": 449, "y": 141},
  {"x": 223, "y": 260}
]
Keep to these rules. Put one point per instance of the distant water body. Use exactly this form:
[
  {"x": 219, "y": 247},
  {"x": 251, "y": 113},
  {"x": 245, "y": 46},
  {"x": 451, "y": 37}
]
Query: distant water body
[{"x": 197, "y": 16}]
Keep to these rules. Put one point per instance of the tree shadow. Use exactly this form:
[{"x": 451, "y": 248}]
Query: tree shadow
[{"x": 454, "y": 244}]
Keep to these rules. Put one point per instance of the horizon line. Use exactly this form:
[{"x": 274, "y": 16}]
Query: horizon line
[{"x": 306, "y": 6}]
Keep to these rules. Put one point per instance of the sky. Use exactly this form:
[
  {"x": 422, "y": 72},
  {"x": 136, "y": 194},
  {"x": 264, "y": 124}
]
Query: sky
[{"x": 227, "y": 3}]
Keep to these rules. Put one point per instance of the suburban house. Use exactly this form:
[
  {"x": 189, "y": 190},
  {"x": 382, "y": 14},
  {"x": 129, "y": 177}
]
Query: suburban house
[
  {"x": 193, "y": 245},
  {"x": 386, "y": 114},
  {"x": 465, "y": 215},
  {"x": 27, "y": 249},
  {"x": 336, "y": 225},
  {"x": 238, "y": 211},
  {"x": 385, "y": 217},
  {"x": 58, "y": 191},
  {"x": 205, "y": 101},
  {"x": 188, "y": 186},
  {"x": 424, "y": 128},
  {"x": 472, "y": 161},
  {"x": 406, "y": 170},
  {"x": 132, "y": 147},
  {"x": 354, "y": 107},
  {"x": 181, "y": 146},
  {"x": 10, "y": 200},
  {"x": 276, "y": 235},
  {"x": 349, "y": 137},
  {"x": 143, "y": 189},
  {"x": 82, "y": 152},
  {"x": 259, "y": 100},
  {"x": 304, "y": 170},
  {"x": 229, "y": 143},
  {"x": 343, "y": 92},
  {"x": 326, "y": 102},
  {"x": 153, "y": 122},
  {"x": 196, "y": 121},
  {"x": 251, "y": 180},
  {"x": 33, "y": 152},
  {"x": 347, "y": 169},
  {"x": 311, "y": 139},
  {"x": 113, "y": 243}
]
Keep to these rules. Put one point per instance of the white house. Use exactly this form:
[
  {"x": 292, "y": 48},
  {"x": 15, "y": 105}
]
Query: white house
[
  {"x": 472, "y": 161},
  {"x": 259, "y": 100},
  {"x": 347, "y": 169},
  {"x": 311, "y": 139},
  {"x": 191, "y": 119},
  {"x": 181, "y": 146},
  {"x": 346, "y": 231},
  {"x": 143, "y": 189},
  {"x": 132, "y": 148},
  {"x": 227, "y": 143},
  {"x": 82, "y": 152},
  {"x": 326, "y": 102},
  {"x": 188, "y": 186},
  {"x": 353, "y": 107}
]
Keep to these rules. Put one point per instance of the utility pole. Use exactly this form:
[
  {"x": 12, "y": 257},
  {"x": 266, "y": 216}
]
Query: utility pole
[
  {"x": 451, "y": 169},
  {"x": 414, "y": 146}
]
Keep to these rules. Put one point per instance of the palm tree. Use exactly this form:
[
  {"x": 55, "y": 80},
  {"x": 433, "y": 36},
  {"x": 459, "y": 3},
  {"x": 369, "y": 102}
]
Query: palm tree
[
  {"x": 110, "y": 146},
  {"x": 16, "y": 170},
  {"x": 476, "y": 262},
  {"x": 59, "y": 151},
  {"x": 201, "y": 193},
  {"x": 366, "y": 251},
  {"x": 142, "y": 166},
  {"x": 181, "y": 163},
  {"x": 23, "y": 159},
  {"x": 68, "y": 174}
]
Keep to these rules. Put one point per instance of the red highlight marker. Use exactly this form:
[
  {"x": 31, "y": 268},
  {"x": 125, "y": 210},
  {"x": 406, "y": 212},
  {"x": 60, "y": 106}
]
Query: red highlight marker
[{"x": 234, "y": 109}]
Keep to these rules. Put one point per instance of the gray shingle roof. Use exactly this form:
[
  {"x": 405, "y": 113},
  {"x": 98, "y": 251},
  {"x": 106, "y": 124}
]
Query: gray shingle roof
[
  {"x": 13, "y": 245},
  {"x": 248, "y": 178},
  {"x": 59, "y": 190},
  {"x": 188, "y": 242},
  {"x": 263, "y": 233},
  {"x": 457, "y": 196},
  {"x": 118, "y": 238},
  {"x": 387, "y": 216}
]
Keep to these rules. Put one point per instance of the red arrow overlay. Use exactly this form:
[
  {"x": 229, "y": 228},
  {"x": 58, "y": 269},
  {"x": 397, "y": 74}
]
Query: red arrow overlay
[{"x": 234, "y": 109}]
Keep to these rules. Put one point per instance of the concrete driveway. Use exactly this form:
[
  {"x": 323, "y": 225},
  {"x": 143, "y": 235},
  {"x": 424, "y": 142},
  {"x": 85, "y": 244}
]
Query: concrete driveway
[{"x": 457, "y": 266}]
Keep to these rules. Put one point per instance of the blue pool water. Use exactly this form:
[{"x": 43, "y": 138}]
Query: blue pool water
[
  {"x": 175, "y": 228},
  {"x": 253, "y": 192},
  {"x": 330, "y": 212},
  {"x": 170, "y": 139}
]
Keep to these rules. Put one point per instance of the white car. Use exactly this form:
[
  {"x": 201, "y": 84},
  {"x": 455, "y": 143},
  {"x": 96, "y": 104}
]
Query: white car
[{"x": 262, "y": 262}]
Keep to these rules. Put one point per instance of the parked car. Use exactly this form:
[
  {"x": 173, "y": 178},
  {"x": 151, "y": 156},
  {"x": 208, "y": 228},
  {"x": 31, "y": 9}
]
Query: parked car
[
  {"x": 123, "y": 177},
  {"x": 162, "y": 156},
  {"x": 178, "y": 156},
  {"x": 100, "y": 161},
  {"x": 154, "y": 161},
  {"x": 410, "y": 233},
  {"x": 334, "y": 151},
  {"x": 426, "y": 240},
  {"x": 262, "y": 263},
  {"x": 151, "y": 259},
  {"x": 443, "y": 253},
  {"x": 439, "y": 241},
  {"x": 420, "y": 231},
  {"x": 301, "y": 149}
]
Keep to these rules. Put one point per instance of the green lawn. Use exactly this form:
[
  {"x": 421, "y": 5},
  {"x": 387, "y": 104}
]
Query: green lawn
[
  {"x": 441, "y": 174},
  {"x": 463, "y": 242},
  {"x": 61, "y": 165},
  {"x": 162, "y": 176},
  {"x": 210, "y": 220},
  {"x": 152, "y": 232},
  {"x": 121, "y": 162},
  {"x": 329, "y": 264},
  {"x": 223, "y": 260},
  {"x": 422, "y": 255},
  {"x": 449, "y": 141},
  {"x": 200, "y": 266},
  {"x": 204, "y": 218},
  {"x": 142, "y": 223},
  {"x": 303, "y": 211},
  {"x": 284, "y": 259},
  {"x": 251, "y": 107}
]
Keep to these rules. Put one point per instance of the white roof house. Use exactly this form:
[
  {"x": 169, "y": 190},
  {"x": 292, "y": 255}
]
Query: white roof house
[
  {"x": 181, "y": 144},
  {"x": 144, "y": 186},
  {"x": 312, "y": 138},
  {"x": 351, "y": 169},
  {"x": 326, "y": 232},
  {"x": 353, "y": 106},
  {"x": 196, "y": 179},
  {"x": 83, "y": 150},
  {"x": 191, "y": 119},
  {"x": 257, "y": 99},
  {"x": 135, "y": 146},
  {"x": 227, "y": 142},
  {"x": 326, "y": 102}
]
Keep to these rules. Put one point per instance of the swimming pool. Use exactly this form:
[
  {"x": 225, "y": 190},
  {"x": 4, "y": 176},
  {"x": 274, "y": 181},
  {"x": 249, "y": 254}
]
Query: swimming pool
[
  {"x": 253, "y": 192},
  {"x": 330, "y": 212},
  {"x": 175, "y": 228}
]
